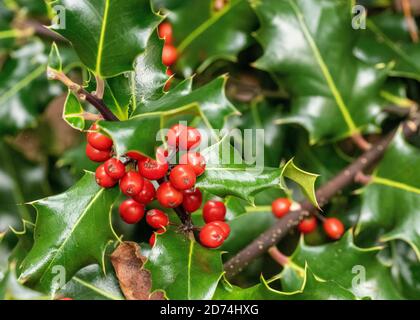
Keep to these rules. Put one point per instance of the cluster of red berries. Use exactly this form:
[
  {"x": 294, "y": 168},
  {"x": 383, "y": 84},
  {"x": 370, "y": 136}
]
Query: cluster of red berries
[
  {"x": 169, "y": 52},
  {"x": 216, "y": 230},
  {"x": 176, "y": 184},
  {"x": 333, "y": 227}
]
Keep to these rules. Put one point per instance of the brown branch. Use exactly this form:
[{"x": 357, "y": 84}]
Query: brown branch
[
  {"x": 278, "y": 231},
  {"x": 411, "y": 22},
  {"x": 82, "y": 94}
]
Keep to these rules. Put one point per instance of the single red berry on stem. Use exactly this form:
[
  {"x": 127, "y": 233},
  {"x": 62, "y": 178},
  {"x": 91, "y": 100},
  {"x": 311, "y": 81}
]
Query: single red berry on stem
[
  {"x": 97, "y": 155},
  {"x": 281, "y": 207},
  {"x": 153, "y": 169},
  {"x": 165, "y": 32},
  {"x": 211, "y": 236},
  {"x": 192, "y": 200},
  {"x": 214, "y": 211},
  {"x": 115, "y": 168},
  {"x": 98, "y": 140},
  {"x": 103, "y": 179},
  {"x": 157, "y": 219},
  {"x": 152, "y": 239},
  {"x": 307, "y": 225},
  {"x": 334, "y": 228},
  {"x": 189, "y": 139},
  {"x": 131, "y": 211},
  {"x": 183, "y": 177},
  {"x": 147, "y": 194},
  {"x": 132, "y": 183},
  {"x": 169, "y": 55},
  {"x": 222, "y": 225},
  {"x": 168, "y": 196},
  {"x": 195, "y": 160}
]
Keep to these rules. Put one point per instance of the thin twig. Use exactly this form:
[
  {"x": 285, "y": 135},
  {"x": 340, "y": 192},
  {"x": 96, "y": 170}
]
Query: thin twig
[
  {"x": 411, "y": 22},
  {"x": 82, "y": 94}
]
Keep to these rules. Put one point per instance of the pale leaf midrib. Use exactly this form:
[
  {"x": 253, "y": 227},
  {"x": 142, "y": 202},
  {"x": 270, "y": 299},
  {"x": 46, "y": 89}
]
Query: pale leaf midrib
[
  {"x": 96, "y": 289},
  {"x": 102, "y": 38},
  {"x": 204, "y": 26},
  {"x": 325, "y": 71},
  {"x": 189, "y": 269},
  {"x": 395, "y": 184},
  {"x": 375, "y": 29}
]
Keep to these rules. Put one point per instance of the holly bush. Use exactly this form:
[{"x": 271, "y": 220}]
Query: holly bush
[{"x": 212, "y": 149}]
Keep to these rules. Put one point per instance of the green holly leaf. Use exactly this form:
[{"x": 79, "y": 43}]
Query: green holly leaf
[
  {"x": 390, "y": 203},
  {"x": 406, "y": 268},
  {"x": 140, "y": 133},
  {"x": 63, "y": 237},
  {"x": 387, "y": 40},
  {"x": 355, "y": 269},
  {"x": 308, "y": 47},
  {"x": 21, "y": 181},
  {"x": 227, "y": 173},
  {"x": 90, "y": 283},
  {"x": 11, "y": 289},
  {"x": 182, "y": 268},
  {"x": 23, "y": 88},
  {"x": 150, "y": 76},
  {"x": 310, "y": 287},
  {"x": 108, "y": 34},
  {"x": 209, "y": 34}
]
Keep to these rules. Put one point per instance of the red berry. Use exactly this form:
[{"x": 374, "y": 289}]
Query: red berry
[
  {"x": 165, "y": 32},
  {"x": 147, "y": 194},
  {"x": 135, "y": 155},
  {"x": 115, "y": 168},
  {"x": 183, "y": 177},
  {"x": 195, "y": 160},
  {"x": 169, "y": 55},
  {"x": 157, "y": 219},
  {"x": 132, "y": 183},
  {"x": 153, "y": 169},
  {"x": 174, "y": 133},
  {"x": 168, "y": 196},
  {"x": 281, "y": 207},
  {"x": 211, "y": 236},
  {"x": 222, "y": 225},
  {"x": 66, "y": 299},
  {"x": 214, "y": 211},
  {"x": 307, "y": 225},
  {"x": 189, "y": 140},
  {"x": 131, "y": 211},
  {"x": 97, "y": 155},
  {"x": 98, "y": 140},
  {"x": 152, "y": 239},
  {"x": 103, "y": 179},
  {"x": 192, "y": 200},
  {"x": 334, "y": 228}
]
